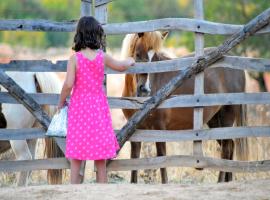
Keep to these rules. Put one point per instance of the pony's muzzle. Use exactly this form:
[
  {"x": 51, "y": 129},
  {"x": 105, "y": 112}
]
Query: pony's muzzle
[{"x": 143, "y": 91}]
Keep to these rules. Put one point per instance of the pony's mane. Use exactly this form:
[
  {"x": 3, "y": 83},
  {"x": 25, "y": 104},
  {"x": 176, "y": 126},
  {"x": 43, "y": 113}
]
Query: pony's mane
[
  {"x": 150, "y": 40},
  {"x": 48, "y": 82}
]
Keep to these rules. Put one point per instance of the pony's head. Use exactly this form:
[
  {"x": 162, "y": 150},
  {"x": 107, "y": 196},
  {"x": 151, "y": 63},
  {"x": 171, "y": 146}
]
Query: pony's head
[{"x": 143, "y": 47}]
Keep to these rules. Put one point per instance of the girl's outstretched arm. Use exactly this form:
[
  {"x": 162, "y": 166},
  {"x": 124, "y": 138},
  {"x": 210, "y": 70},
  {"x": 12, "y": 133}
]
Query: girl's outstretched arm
[
  {"x": 69, "y": 82},
  {"x": 118, "y": 65}
]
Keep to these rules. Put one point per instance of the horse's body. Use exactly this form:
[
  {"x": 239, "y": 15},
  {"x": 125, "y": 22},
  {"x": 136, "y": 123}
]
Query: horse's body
[
  {"x": 17, "y": 116},
  {"x": 145, "y": 47}
]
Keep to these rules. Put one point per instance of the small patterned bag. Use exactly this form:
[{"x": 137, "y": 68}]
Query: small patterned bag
[{"x": 58, "y": 125}]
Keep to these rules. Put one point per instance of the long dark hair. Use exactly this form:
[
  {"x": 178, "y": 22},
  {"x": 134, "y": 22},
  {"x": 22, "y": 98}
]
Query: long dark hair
[{"x": 89, "y": 34}]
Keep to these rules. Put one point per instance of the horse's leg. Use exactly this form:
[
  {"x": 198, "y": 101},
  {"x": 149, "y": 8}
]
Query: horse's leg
[
  {"x": 135, "y": 153},
  {"x": 22, "y": 152},
  {"x": 224, "y": 118},
  {"x": 32, "y": 147},
  {"x": 161, "y": 151},
  {"x": 227, "y": 147}
]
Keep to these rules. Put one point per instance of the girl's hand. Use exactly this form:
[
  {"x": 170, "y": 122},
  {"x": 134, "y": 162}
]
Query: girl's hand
[
  {"x": 130, "y": 61},
  {"x": 60, "y": 105}
]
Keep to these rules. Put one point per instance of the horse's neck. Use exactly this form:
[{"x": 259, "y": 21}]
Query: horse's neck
[
  {"x": 25, "y": 80},
  {"x": 130, "y": 86}
]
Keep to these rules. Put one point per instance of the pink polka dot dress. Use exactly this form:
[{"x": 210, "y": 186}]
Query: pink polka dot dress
[{"x": 90, "y": 134}]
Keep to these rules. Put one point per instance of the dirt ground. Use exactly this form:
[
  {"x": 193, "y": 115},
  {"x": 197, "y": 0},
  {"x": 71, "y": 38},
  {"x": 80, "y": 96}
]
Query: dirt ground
[{"x": 259, "y": 190}]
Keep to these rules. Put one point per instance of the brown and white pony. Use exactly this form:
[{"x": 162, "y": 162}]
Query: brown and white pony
[
  {"x": 146, "y": 47},
  {"x": 16, "y": 116}
]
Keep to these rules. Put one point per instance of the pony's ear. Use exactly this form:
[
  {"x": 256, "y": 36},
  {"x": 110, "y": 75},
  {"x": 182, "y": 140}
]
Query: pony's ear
[
  {"x": 164, "y": 34},
  {"x": 140, "y": 34}
]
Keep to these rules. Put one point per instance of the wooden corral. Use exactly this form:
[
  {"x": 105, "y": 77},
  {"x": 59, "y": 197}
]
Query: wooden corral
[{"x": 198, "y": 100}]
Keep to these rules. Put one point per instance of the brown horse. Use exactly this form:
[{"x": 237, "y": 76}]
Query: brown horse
[{"x": 146, "y": 47}]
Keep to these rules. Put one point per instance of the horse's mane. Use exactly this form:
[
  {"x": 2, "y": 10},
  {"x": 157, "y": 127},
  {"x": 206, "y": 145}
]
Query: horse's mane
[
  {"x": 48, "y": 82},
  {"x": 150, "y": 40}
]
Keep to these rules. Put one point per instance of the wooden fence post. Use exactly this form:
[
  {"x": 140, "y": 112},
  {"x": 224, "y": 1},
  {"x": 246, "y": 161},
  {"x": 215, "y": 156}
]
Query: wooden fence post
[{"x": 199, "y": 78}]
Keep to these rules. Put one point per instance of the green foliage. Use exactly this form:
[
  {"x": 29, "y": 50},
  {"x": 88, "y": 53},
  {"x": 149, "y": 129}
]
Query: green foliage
[
  {"x": 58, "y": 10},
  {"x": 29, "y": 39},
  {"x": 124, "y": 11},
  {"x": 237, "y": 12}
]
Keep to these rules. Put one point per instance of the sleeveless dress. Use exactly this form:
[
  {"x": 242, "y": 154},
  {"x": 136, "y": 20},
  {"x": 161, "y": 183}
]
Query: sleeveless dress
[{"x": 90, "y": 134}]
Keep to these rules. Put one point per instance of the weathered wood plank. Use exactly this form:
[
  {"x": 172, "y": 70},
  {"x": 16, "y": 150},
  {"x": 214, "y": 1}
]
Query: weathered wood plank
[
  {"x": 87, "y": 4},
  {"x": 34, "y": 66},
  {"x": 188, "y": 161},
  {"x": 29, "y": 165},
  {"x": 37, "y": 25},
  {"x": 40, "y": 98},
  {"x": 171, "y": 102},
  {"x": 234, "y": 62},
  {"x": 101, "y": 13},
  {"x": 21, "y": 134},
  {"x": 199, "y": 78},
  {"x": 98, "y": 3},
  {"x": 200, "y": 65},
  {"x": 183, "y": 24},
  {"x": 202, "y": 134},
  {"x": 157, "y": 135},
  {"x": 86, "y": 8}
]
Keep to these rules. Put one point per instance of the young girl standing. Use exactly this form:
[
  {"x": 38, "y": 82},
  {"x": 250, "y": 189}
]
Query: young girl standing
[{"x": 90, "y": 134}]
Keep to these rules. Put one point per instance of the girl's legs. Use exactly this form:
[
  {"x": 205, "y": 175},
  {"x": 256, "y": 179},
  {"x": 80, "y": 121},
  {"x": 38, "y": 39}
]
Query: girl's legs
[
  {"x": 75, "y": 166},
  {"x": 101, "y": 176}
]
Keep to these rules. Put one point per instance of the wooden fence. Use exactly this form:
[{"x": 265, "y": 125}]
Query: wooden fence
[{"x": 198, "y": 100}]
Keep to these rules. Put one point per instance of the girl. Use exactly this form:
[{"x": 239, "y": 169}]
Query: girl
[{"x": 90, "y": 134}]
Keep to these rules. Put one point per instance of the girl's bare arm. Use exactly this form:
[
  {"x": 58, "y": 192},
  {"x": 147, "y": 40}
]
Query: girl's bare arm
[
  {"x": 69, "y": 82},
  {"x": 118, "y": 65}
]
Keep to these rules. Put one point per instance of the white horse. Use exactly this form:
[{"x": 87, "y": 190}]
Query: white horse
[{"x": 17, "y": 116}]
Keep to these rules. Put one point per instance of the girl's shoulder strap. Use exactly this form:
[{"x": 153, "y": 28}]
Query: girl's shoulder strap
[
  {"x": 78, "y": 54},
  {"x": 100, "y": 52}
]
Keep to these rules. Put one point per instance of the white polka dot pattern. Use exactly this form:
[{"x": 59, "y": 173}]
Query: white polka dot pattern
[{"x": 90, "y": 134}]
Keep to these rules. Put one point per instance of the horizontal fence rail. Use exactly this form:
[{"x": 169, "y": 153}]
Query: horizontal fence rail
[
  {"x": 183, "y": 24},
  {"x": 144, "y": 163},
  {"x": 38, "y": 164},
  {"x": 176, "y": 101},
  {"x": 188, "y": 161},
  {"x": 157, "y": 135},
  {"x": 234, "y": 62}
]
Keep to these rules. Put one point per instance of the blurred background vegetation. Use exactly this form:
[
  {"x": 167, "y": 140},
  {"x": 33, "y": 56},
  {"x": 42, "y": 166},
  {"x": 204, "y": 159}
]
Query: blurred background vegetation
[{"x": 229, "y": 11}]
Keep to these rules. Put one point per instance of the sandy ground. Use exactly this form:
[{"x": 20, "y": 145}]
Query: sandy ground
[{"x": 259, "y": 189}]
